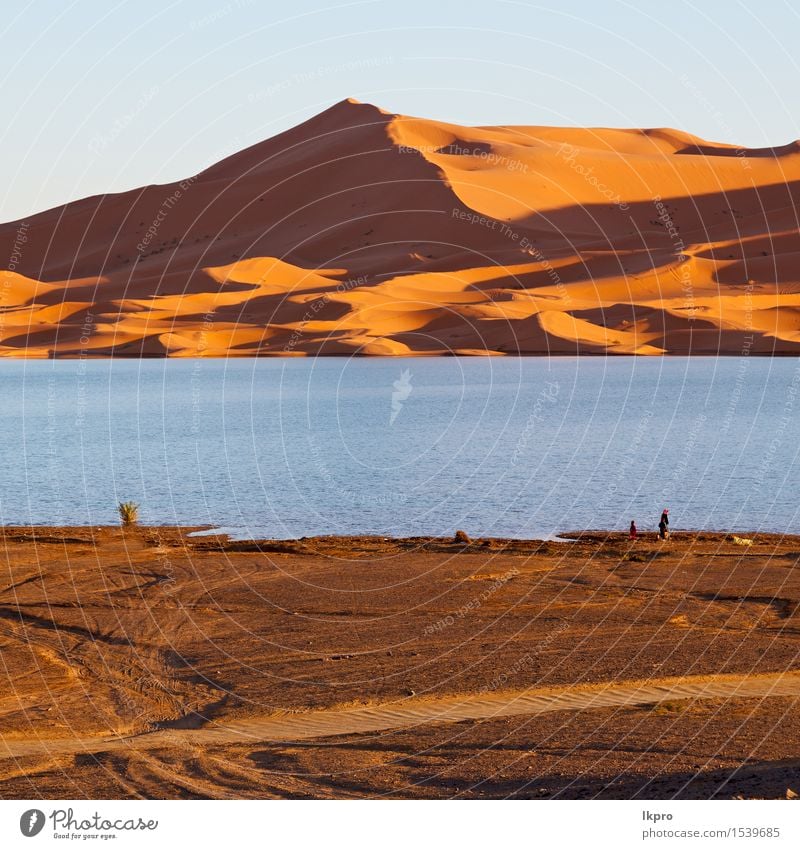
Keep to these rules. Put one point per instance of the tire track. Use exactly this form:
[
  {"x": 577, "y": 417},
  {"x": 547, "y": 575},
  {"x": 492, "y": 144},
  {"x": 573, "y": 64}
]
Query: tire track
[{"x": 421, "y": 711}]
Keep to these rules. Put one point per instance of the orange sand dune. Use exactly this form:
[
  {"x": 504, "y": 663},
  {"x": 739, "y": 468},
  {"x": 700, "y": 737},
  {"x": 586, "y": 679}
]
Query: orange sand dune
[{"x": 364, "y": 232}]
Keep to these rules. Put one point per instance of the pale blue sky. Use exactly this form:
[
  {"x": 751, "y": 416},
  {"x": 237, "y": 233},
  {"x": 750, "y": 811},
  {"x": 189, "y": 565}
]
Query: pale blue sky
[{"x": 103, "y": 96}]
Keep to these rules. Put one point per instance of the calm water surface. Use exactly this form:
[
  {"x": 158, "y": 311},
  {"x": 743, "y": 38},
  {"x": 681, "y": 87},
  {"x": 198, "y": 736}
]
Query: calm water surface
[{"x": 516, "y": 447}]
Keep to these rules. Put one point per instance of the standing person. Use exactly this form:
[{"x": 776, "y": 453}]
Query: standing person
[
  {"x": 632, "y": 534},
  {"x": 663, "y": 525}
]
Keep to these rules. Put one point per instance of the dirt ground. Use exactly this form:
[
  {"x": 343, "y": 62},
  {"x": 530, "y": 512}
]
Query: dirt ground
[{"x": 151, "y": 663}]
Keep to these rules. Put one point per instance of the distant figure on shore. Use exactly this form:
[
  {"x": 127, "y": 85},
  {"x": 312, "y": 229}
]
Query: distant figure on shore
[
  {"x": 632, "y": 534},
  {"x": 663, "y": 525}
]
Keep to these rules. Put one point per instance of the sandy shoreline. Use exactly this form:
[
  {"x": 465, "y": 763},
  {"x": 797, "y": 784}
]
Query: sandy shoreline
[
  {"x": 224, "y": 537},
  {"x": 153, "y": 663}
]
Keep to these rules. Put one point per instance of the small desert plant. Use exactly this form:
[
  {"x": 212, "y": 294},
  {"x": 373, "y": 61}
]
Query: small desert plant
[{"x": 128, "y": 512}]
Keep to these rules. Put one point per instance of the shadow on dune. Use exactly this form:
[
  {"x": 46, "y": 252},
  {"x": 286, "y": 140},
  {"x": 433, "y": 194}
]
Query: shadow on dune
[{"x": 337, "y": 193}]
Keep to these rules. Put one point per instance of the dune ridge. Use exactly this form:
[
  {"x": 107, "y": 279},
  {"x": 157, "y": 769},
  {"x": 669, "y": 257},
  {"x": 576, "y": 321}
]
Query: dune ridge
[{"x": 361, "y": 232}]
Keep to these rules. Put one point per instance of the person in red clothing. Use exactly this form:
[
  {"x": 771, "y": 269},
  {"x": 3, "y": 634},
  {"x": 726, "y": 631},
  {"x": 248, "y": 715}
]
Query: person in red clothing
[{"x": 632, "y": 534}]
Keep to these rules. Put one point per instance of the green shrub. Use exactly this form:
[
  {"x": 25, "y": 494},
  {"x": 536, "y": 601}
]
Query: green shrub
[{"x": 128, "y": 512}]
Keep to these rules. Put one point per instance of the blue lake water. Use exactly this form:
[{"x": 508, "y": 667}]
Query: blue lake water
[{"x": 509, "y": 447}]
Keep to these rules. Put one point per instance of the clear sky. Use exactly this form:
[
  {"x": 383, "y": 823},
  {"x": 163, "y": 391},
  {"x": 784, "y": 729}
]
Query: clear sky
[{"x": 104, "y": 96}]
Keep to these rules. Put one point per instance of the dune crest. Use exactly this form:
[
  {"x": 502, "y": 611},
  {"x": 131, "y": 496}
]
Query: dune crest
[{"x": 364, "y": 232}]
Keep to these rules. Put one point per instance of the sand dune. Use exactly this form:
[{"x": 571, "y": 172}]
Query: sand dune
[{"x": 365, "y": 232}]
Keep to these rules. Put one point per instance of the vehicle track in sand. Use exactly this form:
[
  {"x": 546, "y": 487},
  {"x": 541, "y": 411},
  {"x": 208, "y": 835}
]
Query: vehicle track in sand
[{"x": 413, "y": 712}]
